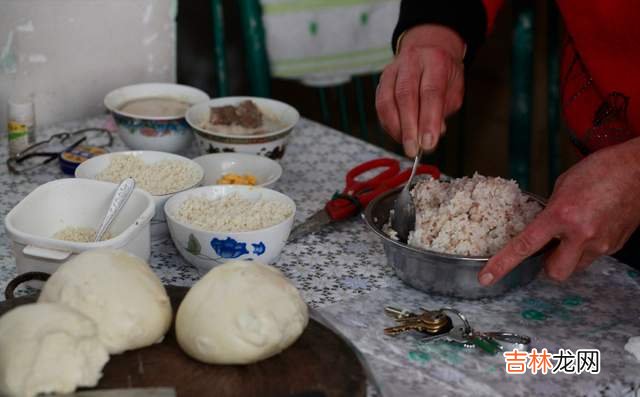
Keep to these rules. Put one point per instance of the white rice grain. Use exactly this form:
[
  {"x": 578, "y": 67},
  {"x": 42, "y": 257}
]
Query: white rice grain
[
  {"x": 159, "y": 178},
  {"x": 79, "y": 234},
  {"x": 232, "y": 213},
  {"x": 469, "y": 216}
]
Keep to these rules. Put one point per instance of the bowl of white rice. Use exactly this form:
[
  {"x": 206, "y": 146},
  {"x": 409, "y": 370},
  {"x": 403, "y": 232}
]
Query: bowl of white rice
[
  {"x": 58, "y": 220},
  {"x": 460, "y": 224},
  {"x": 214, "y": 224},
  {"x": 160, "y": 174}
]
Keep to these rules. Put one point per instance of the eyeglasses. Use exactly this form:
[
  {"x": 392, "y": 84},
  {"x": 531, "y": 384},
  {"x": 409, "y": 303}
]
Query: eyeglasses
[{"x": 44, "y": 152}]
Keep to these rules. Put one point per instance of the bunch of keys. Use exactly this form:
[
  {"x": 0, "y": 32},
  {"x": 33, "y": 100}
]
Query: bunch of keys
[
  {"x": 430, "y": 322},
  {"x": 438, "y": 325}
]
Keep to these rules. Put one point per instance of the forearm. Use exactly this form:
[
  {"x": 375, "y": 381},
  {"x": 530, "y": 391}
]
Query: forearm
[
  {"x": 593, "y": 210},
  {"x": 627, "y": 155},
  {"x": 433, "y": 36},
  {"x": 468, "y": 18}
]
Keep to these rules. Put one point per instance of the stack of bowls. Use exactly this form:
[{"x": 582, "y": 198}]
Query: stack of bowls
[{"x": 81, "y": 202}]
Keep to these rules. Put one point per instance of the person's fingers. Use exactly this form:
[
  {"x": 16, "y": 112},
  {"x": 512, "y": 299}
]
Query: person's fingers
[
  {"x": 586, "y": 260},
  {"x": 535, "y": 236},
  {"x": 563, "y": 260},
  {"x": 406, "y": 92},
  {"x": 433, "y": 89},
  {"x": 455, "y": 93},
  {"x": 386, "y": 103}
]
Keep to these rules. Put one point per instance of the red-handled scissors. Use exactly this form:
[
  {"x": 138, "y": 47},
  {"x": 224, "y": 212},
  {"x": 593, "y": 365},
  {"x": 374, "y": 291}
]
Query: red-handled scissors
[{"x": 358, "y": 194}]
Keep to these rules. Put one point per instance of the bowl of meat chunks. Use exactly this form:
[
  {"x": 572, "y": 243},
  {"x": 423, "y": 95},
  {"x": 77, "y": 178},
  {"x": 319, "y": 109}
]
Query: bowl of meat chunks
[{"x": 243, "y": 124}]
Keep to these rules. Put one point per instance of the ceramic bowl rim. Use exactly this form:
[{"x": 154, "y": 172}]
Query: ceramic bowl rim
[
  {"x": 142, "y": 152},
  {"x": 242, "y": 138},
  {"x": 177, "y": 197},
  {"x": 170, "y": 87},
  {"x": 43, "y": 241},
  {"x": 467, "y": 260},
  {"x": 274, "y": 163}
]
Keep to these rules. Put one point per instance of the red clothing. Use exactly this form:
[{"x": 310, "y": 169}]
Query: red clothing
[
  {"x": 600, "y": 65},
  {"x": 600, "y": 91}
]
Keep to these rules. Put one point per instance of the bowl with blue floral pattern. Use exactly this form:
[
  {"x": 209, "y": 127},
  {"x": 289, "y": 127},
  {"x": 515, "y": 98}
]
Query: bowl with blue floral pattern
[
  {"x": 151, "y": 116},
  {"x": 211, "y": 225}
]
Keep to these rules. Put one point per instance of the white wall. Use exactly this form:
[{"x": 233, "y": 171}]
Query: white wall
[{"x": 68, "y": 54}]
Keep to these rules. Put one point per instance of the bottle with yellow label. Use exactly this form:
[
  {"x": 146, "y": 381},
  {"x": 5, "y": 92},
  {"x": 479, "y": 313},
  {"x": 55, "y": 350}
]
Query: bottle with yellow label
[{"x": 21, "y": 125}]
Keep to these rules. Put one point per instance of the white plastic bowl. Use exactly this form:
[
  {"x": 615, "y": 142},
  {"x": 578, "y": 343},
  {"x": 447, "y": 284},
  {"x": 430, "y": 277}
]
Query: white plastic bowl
[
  {"x": 92, "y": 167},
  {"x": 166, "y": 134},
  {"x": 53, "y": 206},
  {"x": 266, "y": 171},
  {"x": 272, "y": 144},
  {"x": 206, "y": 249}
]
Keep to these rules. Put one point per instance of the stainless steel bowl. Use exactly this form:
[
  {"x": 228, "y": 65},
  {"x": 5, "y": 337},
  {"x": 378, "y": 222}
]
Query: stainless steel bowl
[{"x": 438, "y": 273}]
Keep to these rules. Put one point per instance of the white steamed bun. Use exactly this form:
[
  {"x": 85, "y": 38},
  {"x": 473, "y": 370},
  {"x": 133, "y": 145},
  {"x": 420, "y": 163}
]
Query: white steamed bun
[
  {"x": 48, "y": 348},
  {"x": 239, "y": 313},
  {"x": 119, "y": 291}
]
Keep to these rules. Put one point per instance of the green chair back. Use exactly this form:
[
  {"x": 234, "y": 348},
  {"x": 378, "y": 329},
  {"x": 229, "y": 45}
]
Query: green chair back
[
  {"x": 258, "y": 69},
  {"x": 219, "y": 51},
  {"x": 553, "y": 94},
  {"x": 520, "y": 119},
  {"x": 255, "y": 51}
]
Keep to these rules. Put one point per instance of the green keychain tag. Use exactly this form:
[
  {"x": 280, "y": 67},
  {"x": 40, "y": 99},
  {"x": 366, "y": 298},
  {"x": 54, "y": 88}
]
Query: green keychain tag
[{"x": 486, "y": 344}]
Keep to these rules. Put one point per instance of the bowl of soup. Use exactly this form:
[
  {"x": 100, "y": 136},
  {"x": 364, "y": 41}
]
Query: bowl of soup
[
  {"x": 250, "y": 125},
  {"x": 151, "y": 116}
]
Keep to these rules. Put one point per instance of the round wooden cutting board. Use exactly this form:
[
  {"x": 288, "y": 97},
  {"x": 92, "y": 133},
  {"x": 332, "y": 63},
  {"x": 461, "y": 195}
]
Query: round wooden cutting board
[{"x": 319, "y": 364}]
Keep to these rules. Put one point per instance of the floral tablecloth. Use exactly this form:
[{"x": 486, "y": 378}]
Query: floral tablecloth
[
  {"x": 343, "y": 274},
  {"x": 597, "y": 309},
  {"x": 341, "y": 262}
]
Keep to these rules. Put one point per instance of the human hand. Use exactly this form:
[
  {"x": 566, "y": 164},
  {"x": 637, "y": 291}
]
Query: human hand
[
  {"x": 422, "y": 86},
  {"x": 594, "y": 209}
]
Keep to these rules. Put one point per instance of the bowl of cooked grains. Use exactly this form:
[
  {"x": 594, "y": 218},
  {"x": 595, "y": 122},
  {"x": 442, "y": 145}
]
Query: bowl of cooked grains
[
  {"x": 213, "y": 224},
  {"x": 459, "y": 225},
  {"x": 160, "y": 174},
  {"x": 59, "y": 219}
]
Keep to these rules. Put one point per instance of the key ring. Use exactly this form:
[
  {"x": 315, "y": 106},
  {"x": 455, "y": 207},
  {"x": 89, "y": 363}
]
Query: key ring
[
  {"x": 467, "y": 326},
  {"x": 504, "y": 339},
  {"x": 510, "y": 339}
]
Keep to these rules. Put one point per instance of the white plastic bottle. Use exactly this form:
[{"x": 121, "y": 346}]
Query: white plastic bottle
[{"x": 21, "y": 125}]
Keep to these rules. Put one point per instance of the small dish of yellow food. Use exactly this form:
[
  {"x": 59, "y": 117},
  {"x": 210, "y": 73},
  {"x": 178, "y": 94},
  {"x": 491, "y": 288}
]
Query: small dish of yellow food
[
  {"x": 237, "y": 179},
  {"x": 238, "y": 169}
]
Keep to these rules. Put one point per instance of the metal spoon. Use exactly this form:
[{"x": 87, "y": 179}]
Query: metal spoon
[
  {"x": 120, "y": 197},
  {"x": 403, "y": 219}
]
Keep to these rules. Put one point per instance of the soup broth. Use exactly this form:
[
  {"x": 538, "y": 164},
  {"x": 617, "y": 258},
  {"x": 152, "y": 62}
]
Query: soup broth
[{"x": 156, "y": 107}]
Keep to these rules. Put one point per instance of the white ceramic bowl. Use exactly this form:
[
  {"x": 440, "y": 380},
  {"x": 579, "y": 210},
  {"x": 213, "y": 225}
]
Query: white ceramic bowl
[
  {"x": 165, "y": 134},
  {"x": 272, "y": 144},
  {"x": 266, "y": 171},
  {"x": 55, "y": 205},
  {"x": 92, "y": 167},
  {"x": 206, "y": 249}
]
